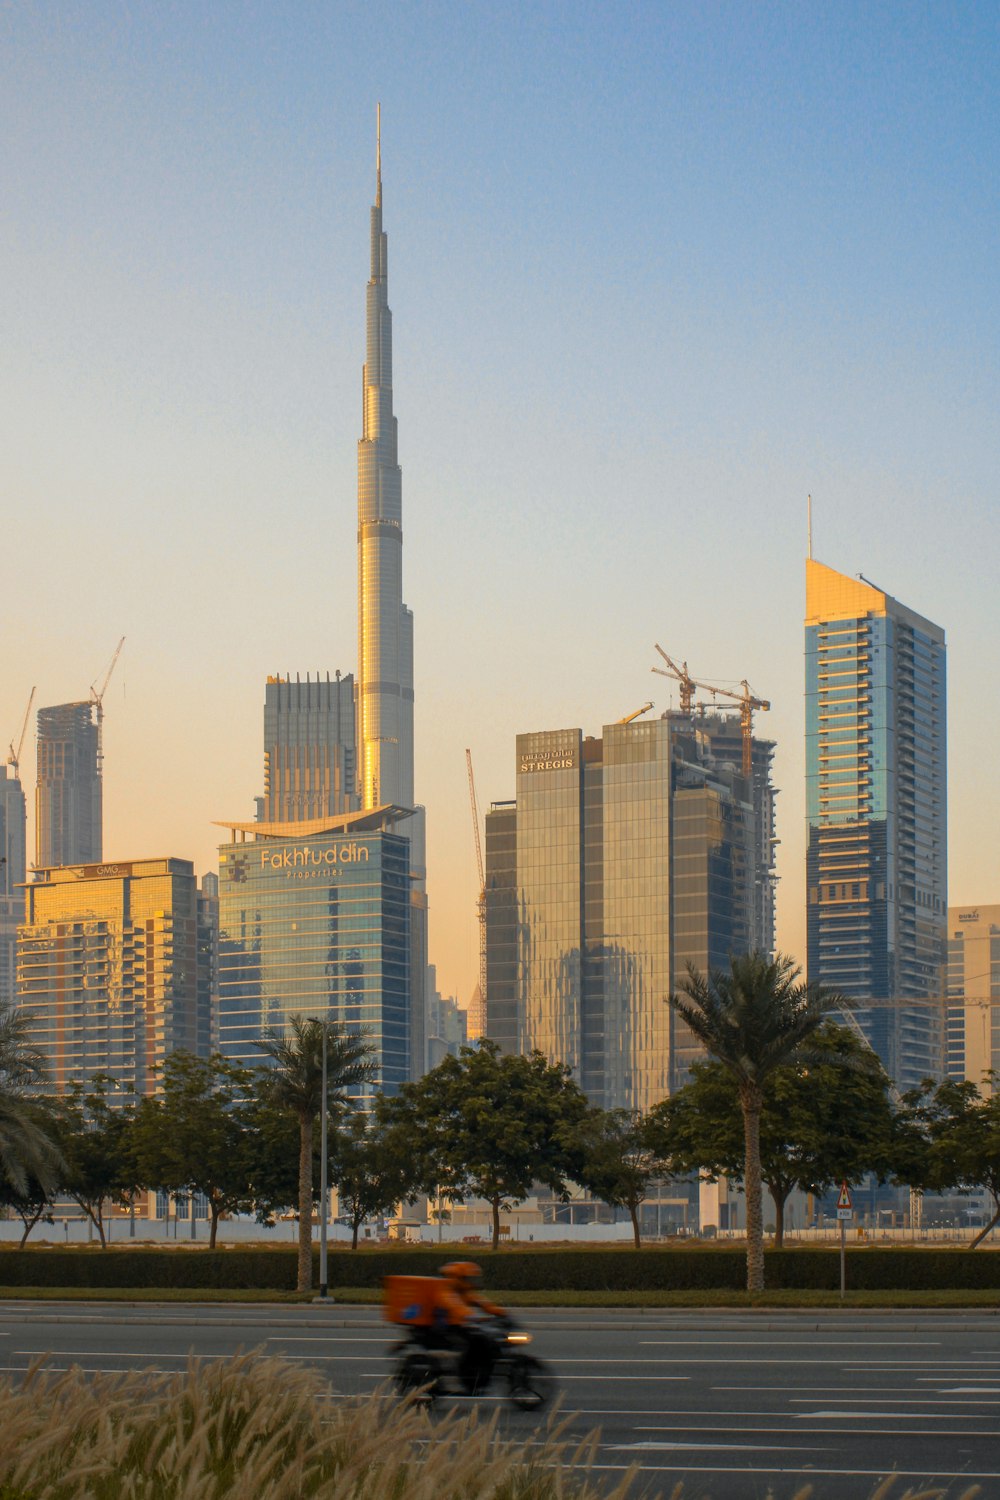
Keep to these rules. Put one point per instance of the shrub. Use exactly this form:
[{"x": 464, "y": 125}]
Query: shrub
[{"x": 520, "y": 1269}]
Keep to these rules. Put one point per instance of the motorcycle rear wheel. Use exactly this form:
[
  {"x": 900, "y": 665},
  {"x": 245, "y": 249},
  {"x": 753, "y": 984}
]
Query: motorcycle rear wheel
[{"x": 530, "y": 1383}]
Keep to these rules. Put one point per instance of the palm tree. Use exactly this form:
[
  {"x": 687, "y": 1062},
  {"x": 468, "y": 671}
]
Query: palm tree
[
  {"x": 25, "y": 1148},
  {"x": 295, "y": 1086},
  {"x": 753, "y": 1020}
]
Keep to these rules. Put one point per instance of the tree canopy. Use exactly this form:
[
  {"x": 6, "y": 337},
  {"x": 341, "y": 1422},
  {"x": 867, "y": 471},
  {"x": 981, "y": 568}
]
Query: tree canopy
[{"x": 489, "y": 1126}]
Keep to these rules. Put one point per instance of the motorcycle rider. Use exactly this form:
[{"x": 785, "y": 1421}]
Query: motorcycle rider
[{"x": 467, "y": 1315}]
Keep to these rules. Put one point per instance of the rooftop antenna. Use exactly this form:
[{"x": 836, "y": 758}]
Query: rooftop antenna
[
  {"x": 809, "y": 522},
  {"x": 378, "y": 153}
]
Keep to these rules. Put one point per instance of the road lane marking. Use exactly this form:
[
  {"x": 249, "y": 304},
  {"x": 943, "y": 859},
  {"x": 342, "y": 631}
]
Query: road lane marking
[
  {"x": 807, "y": 1472},
  {"x": 803, "y": 1343},
  {"x": 966, "y": 1432},
  {"x": 714, "y": 1447}
]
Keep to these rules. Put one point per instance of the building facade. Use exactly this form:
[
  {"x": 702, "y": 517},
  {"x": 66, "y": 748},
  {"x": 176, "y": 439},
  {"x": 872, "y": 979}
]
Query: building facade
[
  {"x": 13, "y": 865},
  {"x": 314, "y": 921},
  {"x": 310, "y": 751},
  {"x": 621, "y": 860},
  {"x": 876, "y": 808},
  {"x": 110, "y": 970},
  {"x": 973, "y": 1016},
  {"x": 68, "y": 796}
]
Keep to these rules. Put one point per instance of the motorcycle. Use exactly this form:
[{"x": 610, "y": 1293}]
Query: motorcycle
[{"x": 431, "y": 1363}]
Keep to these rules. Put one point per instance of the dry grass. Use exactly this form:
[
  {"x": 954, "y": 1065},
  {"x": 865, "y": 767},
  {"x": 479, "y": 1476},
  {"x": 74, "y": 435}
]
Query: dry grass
[
  {"x": 263, "y": 1429},
  {"x": 259, "y": 1427}
]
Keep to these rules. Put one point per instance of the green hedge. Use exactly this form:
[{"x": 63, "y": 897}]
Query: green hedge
[{"x": 514, "y": 1269}]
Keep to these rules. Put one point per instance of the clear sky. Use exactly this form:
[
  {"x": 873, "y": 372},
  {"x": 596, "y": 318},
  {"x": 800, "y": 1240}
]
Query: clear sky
[{"x": 656, "y": 272}]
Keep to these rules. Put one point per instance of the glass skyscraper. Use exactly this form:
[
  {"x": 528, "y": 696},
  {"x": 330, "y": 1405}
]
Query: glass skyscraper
[
  {"x": 316, "y": 924},
  {"x": 112, "y": 969},
  {"x": 621, "y": 860},
  {"x": 68, "y": 798},
  {"x": 876, "y": 808}
]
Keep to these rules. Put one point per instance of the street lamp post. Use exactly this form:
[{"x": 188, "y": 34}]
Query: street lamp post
[{"x": 322, "y": 1179}]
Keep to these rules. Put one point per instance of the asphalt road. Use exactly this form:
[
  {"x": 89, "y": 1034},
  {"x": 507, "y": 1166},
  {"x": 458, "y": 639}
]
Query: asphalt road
[{"x": 732, "y": 1404}]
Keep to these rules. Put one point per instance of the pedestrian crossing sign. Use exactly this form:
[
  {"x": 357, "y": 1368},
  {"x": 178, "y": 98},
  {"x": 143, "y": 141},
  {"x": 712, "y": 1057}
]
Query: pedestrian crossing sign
[{"x": 844, "y": 1201}]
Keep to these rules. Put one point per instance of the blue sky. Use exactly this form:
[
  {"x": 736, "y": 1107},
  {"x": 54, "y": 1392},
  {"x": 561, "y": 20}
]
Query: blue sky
[{"x": 657, "y": 271}]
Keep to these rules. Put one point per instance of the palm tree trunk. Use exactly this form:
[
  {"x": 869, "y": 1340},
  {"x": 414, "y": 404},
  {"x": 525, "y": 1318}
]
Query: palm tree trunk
[
  {"x": 305, "y": 1267},
  {"x": 752, "y": 1102}
]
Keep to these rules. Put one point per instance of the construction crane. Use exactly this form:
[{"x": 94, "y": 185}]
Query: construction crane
[
  {"x": 97, "y": 698},
  {"x": 747, "y": 700},
  {"x": 14, "y": 758},
  {"x": 481, "y": 899},
  {"x": 638, "y": 713},
  {"x": 682, "y": 675}
]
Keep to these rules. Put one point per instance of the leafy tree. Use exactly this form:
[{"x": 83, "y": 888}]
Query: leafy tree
[
  {"x": 963, "y": 1136},
  {"x": 32, "y": 1204},
  {"x": 273, "y": 1169},
  {"x": 294, "y": 1085},
  {"x": 371, "y": 1167},
  {"x": 620, "y": 1157},
  {"x": 820, "y": 1124},
  {"x": 92, "y": 1132},
  {"x": 192, "y": 1135},
  {"x": 26, "y": 1146},
  {"x": 753, "y": 1020},
  {"x": 488, "y": 1126}
]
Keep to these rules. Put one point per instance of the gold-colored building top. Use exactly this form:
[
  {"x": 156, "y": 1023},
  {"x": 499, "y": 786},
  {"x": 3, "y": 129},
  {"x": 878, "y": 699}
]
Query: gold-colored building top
[{"x": 834, "y": 596}]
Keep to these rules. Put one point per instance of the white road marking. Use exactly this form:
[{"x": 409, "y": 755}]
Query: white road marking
[
  {"x": 808, "y": 1471},
  {"x": 712, "y": 1447},
  {"x": 924, "y": 1400},
  {"x": 715, "y": 1428},
  {"x": 843, "y": 1342}
]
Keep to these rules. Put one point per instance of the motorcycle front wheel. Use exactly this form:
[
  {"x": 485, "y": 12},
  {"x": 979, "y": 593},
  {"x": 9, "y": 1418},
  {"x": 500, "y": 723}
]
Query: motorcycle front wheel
[
  {"x": 416, "y": 1372},
  {"x": 530, "y": 1383}
]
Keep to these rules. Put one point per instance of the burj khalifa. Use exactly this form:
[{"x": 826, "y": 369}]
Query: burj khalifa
[
  {"x": 384, "y": 688},
  {"x": 385, "y": 625}
]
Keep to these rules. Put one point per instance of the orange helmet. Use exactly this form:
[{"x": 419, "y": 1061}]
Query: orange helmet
[{"x": 464, "y": 1273}]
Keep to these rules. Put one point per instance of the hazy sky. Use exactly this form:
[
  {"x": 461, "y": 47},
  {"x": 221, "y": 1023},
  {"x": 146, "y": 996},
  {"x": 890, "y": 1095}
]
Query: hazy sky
[{"x": 656, "y": 272}]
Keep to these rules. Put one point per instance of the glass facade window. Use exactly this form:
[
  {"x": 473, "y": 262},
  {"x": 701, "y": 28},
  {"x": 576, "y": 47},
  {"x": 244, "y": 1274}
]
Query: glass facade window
[
  {"x": 623, "y": 858},
  {"x": 876, "y": 809},
  {"x": 317, "y": 926},
  {"x": 309, "y": 749}
]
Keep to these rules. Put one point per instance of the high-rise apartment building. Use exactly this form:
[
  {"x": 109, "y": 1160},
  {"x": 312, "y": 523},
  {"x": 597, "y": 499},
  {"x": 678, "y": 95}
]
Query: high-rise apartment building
[
  {"x": 973, "y": 1016},
  {"x": 68, "y": 797},
  {"x": 13, "y": 863},
  {"x": 876, "y": 808},
  {"x": 111, "y": 968},
  {"x": 310, "y": 768},
  {"x": 314, "y": 921},
  {"x": 621, "y": 860}
]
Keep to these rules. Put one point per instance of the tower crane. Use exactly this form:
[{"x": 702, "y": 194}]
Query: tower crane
[
  {"x": 637, "y": 714},
  {"x": 682, "y": 675},
  {"x": 14, "y": 758},
  {"x": 97, "y": 697},
  {"x": 747, "y": 700},
  {"x": 481, "y": 898}
]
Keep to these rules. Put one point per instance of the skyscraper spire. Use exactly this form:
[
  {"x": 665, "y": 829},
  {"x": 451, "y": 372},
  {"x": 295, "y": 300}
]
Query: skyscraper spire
[{"x": 385, "y": 625}]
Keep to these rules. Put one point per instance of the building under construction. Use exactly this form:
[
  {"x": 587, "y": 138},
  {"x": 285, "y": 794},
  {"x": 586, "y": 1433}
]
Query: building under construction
[
  {"x": 68, "y": 796},
  {"x": 622, "y": 860}
]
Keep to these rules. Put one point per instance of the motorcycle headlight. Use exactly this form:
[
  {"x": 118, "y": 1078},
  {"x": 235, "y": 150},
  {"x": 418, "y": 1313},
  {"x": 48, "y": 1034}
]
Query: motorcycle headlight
[{"x": 519, "y": 1338}]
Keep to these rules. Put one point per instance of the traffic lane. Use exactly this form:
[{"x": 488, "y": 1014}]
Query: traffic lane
[{"x": 718, "y": 1405}]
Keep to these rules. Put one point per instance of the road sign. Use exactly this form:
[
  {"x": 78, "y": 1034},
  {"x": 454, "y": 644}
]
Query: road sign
[
  {"x": 845, "y": 1213},
  {"x": 844, "y": 1201}
]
